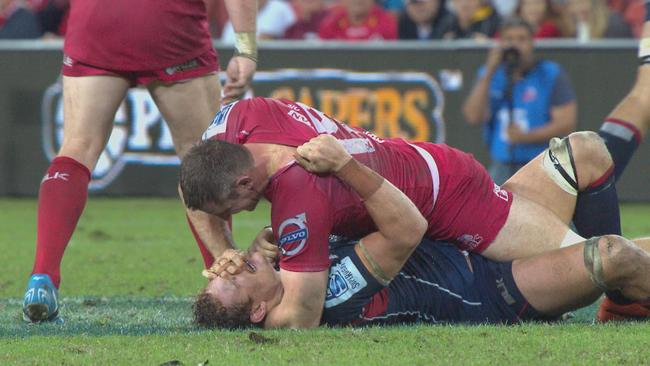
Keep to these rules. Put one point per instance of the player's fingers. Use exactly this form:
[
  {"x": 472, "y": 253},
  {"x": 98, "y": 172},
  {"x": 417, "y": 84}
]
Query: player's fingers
[
  {"x": 209, "y": 275},
  {"x": 303, "y": 162},
  {"x": 225, "y": 275},
  {"x": 271, "y": 255},
  {"x": 234, "y": 269}
]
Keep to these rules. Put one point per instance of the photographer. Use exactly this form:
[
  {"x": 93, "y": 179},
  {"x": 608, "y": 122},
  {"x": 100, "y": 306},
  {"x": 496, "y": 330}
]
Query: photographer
[{"x": 521, "y": 101}]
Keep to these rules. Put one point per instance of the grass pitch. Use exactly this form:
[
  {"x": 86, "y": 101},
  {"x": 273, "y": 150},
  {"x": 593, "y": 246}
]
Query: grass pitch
[{"x": 132, "y": 268}]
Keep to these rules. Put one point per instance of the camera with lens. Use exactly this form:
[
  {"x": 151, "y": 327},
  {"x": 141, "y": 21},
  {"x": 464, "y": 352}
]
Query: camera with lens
[{"x": 510, "y": 57}]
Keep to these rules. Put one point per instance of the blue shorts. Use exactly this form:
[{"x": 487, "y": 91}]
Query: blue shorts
[{"x": 436, "y": 285}]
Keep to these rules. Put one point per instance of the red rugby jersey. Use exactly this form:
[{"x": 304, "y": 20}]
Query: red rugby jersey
[{"x": 306, "y": 208}]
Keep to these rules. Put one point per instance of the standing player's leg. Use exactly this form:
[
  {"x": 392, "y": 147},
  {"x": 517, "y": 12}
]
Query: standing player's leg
[
  {"x": 89, "y": 108},
  {"x": 189, "y": 107},
  {"x": 627, "y": 125}
]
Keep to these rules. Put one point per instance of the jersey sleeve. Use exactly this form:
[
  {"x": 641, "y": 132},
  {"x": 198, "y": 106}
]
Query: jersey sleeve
[
  {"x": 302, "y": 220},
  {"x": 562, "y": 90}
]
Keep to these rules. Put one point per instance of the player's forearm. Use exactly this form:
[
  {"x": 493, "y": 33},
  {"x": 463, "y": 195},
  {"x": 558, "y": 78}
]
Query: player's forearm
[
  {"x": 242, "y": 14},
  {"x": 476, "y": 108},
  {"x": 213, "y": 231},
  {"x": 394, "y": 214}
]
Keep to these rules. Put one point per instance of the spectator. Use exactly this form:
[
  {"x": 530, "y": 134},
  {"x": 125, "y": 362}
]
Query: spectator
[
  {"x": 423, "y": 19},
  {"x": 358, "y": 20},
  {"x": 522, "y": 102},
  {"x": 632, "y": 11},
  {"x": 472, "y": 19},
  {"x": 52, "y": 16},
  {"x": 541, "y": 16},
  {"x": 17, "y": 22},
  {"x": 505, "y": 8},
  {"x": 310, "y": 15},
  {"x": 393, "y": 6},
  {"x": 591, "y": 19},
  {"x": 274, "y": 17}
]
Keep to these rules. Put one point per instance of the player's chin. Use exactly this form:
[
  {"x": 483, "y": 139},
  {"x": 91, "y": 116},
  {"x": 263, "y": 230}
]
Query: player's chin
[{"x": 253, "y": 205}]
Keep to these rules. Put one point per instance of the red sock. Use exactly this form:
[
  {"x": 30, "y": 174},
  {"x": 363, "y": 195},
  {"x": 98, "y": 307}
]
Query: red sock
[
  {"x": 61, "y": 200},
  {"x": 208, "y": 259}
]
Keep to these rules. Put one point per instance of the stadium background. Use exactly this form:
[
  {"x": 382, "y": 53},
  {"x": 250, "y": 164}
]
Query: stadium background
[
  {"x": 404, "y": 89},
  {"x": 132, "y": 267}
]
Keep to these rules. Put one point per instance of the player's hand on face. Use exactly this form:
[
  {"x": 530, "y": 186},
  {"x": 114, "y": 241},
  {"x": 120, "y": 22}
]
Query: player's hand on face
[
  {"x": 230, "y": 262},
  {"x": 239, "y": 75},
  {"x": 322, "y": 154},
  {"x": 265, "y": 245}
]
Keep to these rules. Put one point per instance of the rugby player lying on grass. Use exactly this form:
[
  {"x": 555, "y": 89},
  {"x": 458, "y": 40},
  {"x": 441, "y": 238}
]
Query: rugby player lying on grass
[
  {"x": 462, "y": 205},
  {"x": 384, "y": 278}
]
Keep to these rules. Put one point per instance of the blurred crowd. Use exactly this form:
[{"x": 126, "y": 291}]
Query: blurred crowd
[{"x": 375, "y": 19}]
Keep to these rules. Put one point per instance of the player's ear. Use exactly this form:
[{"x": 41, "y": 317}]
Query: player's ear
[
  {"x": 244, "y": 181},
  {"x": 258, "y": 313}
]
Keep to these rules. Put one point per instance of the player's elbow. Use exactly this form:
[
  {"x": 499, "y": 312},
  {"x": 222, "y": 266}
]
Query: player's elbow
[{"x": 414, "y": 232}]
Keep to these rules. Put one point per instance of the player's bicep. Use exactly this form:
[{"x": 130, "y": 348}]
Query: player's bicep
[{"x": 302, "y": 302}]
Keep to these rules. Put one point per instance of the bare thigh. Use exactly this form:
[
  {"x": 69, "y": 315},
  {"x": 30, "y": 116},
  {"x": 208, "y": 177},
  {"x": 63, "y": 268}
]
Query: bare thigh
[
  {"x": 532, "y": 183},
  {"x": 555, "y": 282},
  {"x": 529, "y": 230},
  {"x": 89, "y": 106},
  {"x": 188, "y": 107}
]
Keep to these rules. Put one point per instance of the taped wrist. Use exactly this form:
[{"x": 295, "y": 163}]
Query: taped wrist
[
  {"x": 246, "y": 45},
  {"x": 362, "y": 179}
]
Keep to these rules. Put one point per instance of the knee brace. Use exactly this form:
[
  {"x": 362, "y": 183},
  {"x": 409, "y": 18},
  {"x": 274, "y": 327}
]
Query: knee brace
[
  {"x": 593, "y": 263},
  {"x": 559, "y": 165}
]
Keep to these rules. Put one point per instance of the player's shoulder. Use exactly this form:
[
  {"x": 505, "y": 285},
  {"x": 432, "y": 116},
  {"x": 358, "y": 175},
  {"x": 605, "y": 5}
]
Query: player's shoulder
[{"x": 295, "y": 181}]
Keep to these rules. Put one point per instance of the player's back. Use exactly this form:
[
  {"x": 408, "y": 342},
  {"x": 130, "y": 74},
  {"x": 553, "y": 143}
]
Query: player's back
[{"x": 266, "y": 120}]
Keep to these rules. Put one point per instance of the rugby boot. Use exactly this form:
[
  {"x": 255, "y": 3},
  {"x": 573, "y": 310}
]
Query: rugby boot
[
  {"x": 41, "y": 300},
  {"x": 611, "y": 311}
]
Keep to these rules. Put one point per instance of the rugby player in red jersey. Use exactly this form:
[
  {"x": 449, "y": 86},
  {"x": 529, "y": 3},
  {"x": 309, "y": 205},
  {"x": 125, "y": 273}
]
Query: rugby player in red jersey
[
  {"x": 110, "y": 46},
  {"x": 250, "y": 153},
  {"x": 384, "y": 279}
]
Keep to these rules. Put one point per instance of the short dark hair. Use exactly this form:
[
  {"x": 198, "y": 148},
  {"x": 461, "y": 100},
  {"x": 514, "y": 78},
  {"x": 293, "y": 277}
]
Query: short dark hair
[
  {"x": 516, "y": 22},
  {"x": 209, "y": 312},
  {"x": 209, "y": 170}
]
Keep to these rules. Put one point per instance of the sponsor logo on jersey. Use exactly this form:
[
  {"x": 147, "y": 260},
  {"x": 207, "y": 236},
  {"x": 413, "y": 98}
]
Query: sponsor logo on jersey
[
  {"x": 293, "y": 234},
  {"x": 345, "y": 280},
  {"x": 185, "y": 66},
  {"x": 469, "y": 241},
  {"x": 502, "y": 194},
  {"x": 218, "y": 124}
]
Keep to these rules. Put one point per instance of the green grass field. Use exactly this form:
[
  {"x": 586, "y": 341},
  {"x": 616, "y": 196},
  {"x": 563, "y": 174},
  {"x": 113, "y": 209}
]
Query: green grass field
[{"x": 132, "y": 268}]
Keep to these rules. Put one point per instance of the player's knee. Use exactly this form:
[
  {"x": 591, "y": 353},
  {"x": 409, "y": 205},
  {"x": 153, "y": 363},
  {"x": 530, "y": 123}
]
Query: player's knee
[
  {"x": 620, "y": 259},
  {"x": 85, "y": 151},
  {"x": 591, "y": 156}
]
